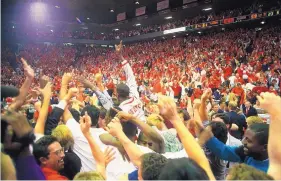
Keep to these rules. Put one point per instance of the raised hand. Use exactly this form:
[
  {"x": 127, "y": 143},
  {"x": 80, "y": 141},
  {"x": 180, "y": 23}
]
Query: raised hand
[
  {"x": 28, "y": 71},
  {"x": 43, "y": 80},
  {"x": 47, "y": 91},
  {"x": 123, "y": 116},
  {"x": 270, "y": 102},
  {"x": 114, "y": 127},
  {"x": 207, "y": 94},
  {"x": 86, "y": 83},
  {"x": 67, "y": 77},
  {"x": 108, "y": 155},
  {"x": 168, "y": 108},
  {"x": 85, "y": 123},
  {"x": 19, "y": 123},
  {"x": 118, "y": 48}
]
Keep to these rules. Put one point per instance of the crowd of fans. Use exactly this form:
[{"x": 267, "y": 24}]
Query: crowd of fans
[
  {"x": 257, "y": 7},
  {"x": 180, "y": 109}
]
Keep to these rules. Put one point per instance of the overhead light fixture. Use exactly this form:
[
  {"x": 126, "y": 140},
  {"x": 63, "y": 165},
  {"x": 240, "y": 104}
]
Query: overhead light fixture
[
  {"x": 199, "y": 32},
  {"x": 263, "y": 22},
  {"x": 111, "y": 10},
  {"x": 168, "y": 17},
  {"x": 13, "y": 26},
  {"x": 207, "y": 9},
  {"x": 57, "y": 7},
  {"x": 52, "y": 30},
  {"x": 174, "y": 36},
  {"x": 137, "y": 2},
  {"x": 88, "y": 18},
  {"x": 138, "y": 24},
  {"x": 116, "y": 29},
  {"x": 101, "y": 33}
]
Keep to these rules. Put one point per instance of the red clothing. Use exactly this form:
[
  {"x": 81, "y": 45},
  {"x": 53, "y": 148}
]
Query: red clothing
[
  {"x": 197, "y": 93},
  {"x": 259, "y": 89},
  {"x": 51, "y": 174},
  {"x": 177, "y": 90}
]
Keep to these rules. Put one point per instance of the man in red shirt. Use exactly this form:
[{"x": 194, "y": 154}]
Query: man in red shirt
[
  {"x": 49, "y": 153},
  {"x": 239, "y": 92}
]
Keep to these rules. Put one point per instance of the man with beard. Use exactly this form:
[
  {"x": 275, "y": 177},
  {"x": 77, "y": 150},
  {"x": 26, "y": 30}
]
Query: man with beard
[{"x": 253, "y": 152}]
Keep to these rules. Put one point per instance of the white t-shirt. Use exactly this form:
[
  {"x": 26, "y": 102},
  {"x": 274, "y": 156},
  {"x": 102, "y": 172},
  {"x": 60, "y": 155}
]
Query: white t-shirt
[{"x": 114, "y": 169}]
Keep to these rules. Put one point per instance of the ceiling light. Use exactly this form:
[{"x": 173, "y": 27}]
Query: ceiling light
[
  {"x": 199, "y": 32},
  {"x": 88, "y": 18},
  {"x": 168, "y": 17},
  {"x": 174, "y": 36},
  {"x": 52, "y": 30},
  {"x": 102, "y": 33},
  {"x": 137, "y": 2},
  {"x": 116, "y": 29},
  {"x": 13, "y": 26},
  {"x": 57, "y": 6},
  {"x": 138, "y": 24},
  {"x": 207, "y": 9},
  {"x": 111, "y": 10},
  {"x": 262, "y": 22}
]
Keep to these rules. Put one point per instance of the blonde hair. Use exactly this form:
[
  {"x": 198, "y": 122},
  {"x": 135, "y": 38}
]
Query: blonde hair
[
  {"x": 64, "y": 136},
  {"x": 253, "y": 119},
  {"x": 232, "y": 105},
  {"x": 232, "y": 97},
  {"x": 155, "y": 120},
  {"x": 93, "y": 175}
]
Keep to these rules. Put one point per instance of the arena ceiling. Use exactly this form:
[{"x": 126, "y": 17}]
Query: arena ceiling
[{"x": 62, "y": 13}]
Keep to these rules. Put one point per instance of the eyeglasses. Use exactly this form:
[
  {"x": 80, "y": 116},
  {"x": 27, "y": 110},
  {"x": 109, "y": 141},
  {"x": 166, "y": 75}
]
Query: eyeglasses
[{"x": 59, "y": 152}]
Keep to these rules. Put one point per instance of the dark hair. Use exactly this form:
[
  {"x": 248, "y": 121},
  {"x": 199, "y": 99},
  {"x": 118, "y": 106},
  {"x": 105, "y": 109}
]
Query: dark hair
[
  {"x": 186, "y": 115},
  {"x": 261, "y": 131},
  {"x": 129, "y": 129},
  {"x": 182, "y": 169},
  {"x": 123, "y": 90},
  {"x": 246, "y": 172},
  {"x": 152, "y": 164},
  {"x": 75, "y": 114},
  {"x": 93, "y": 112},
  {"x": 223, "y": 116},
  {"x": 102, "y": 113},
  {"x": 219, "y": 130},
  {"x": 40, "y": 147}
]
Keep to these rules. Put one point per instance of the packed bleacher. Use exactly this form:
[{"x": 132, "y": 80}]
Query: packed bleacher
[
  {"x": 200, "y": 107},
  {"x": 256, "y": 7}
]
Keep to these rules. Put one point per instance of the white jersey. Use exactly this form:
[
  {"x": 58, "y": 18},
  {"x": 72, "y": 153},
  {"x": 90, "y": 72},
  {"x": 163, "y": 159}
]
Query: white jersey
[{"x": 133, "y": 105}]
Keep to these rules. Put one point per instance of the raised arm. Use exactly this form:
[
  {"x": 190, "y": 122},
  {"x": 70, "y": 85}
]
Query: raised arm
[
  {"x": 20, "y": 99},
  {"x": 104, "y": 98},
  {"x": 134, "y": 153},
  {"x": 64, "y": 84},
  {"x": 271, "y": 103},
  {"x": 169, "y": 111},
  {"x": 40, "y": 124},
  {"x": 146, "y": 129},
  {"x": 99, "y": 156},
  {"x": 130, "y": 77},
  {"x": 203, "y": 107}
]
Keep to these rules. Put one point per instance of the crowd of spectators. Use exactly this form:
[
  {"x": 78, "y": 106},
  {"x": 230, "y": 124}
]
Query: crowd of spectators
[
  {"x": 86, "y": 34},
  {"x": 186, "y": 108}
]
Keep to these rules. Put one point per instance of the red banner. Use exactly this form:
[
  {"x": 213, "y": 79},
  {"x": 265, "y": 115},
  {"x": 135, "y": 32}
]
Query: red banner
[
  {"x": 163, "y": 5},
  {"x": 140, "y": 11},
  {"x": 121, "y": 16}
]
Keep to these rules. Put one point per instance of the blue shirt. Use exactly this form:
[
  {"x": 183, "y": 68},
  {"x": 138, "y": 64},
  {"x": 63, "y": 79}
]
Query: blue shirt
[{"x": 228, "y": 153}]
